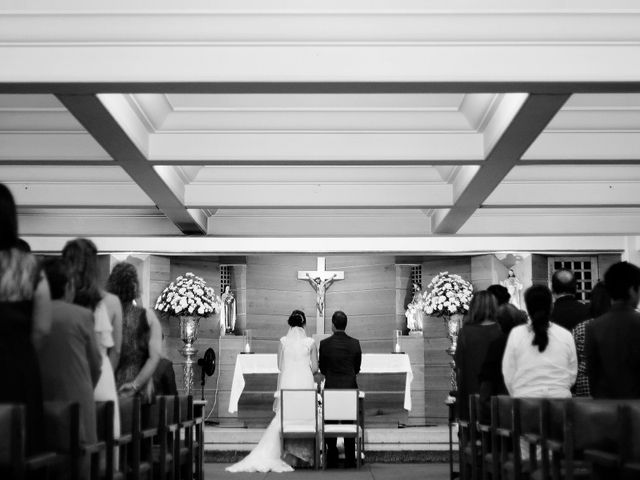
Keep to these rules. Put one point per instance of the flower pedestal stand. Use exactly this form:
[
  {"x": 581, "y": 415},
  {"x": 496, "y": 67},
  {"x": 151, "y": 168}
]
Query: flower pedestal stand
[
  {"x": 188, "y": 334},
  {"x": 453, "y": 324}
]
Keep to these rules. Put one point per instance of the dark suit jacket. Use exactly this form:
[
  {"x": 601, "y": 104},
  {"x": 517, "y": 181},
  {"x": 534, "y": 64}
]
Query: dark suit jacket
[
  {"x": 70, "y": 362},
  {"x": 612, "y": 349},
  {"x": 164, "y": 378},
  {"x": 569, "y": 312},
  {"x": 340, "y": 359}
]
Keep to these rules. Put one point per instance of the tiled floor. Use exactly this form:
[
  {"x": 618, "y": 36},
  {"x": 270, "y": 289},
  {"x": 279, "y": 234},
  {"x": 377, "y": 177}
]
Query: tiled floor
[{"x": 374, "y": 471}]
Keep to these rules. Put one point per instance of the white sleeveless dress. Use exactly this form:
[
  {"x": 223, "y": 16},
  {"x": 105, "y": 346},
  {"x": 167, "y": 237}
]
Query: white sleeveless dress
[
  {"x": 105, "y": 389},
  {"x": 295, "y": 372}
]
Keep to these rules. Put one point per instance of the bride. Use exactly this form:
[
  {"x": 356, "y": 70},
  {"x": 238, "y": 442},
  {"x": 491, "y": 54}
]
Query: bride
[{"x": 297, "y": 362}]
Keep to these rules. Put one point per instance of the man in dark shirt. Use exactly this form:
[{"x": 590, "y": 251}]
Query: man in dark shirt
[
  {"x": 567, "y": 311},
  {"x": 612, "y": 341},
  {"x": 339, "y": 361}
]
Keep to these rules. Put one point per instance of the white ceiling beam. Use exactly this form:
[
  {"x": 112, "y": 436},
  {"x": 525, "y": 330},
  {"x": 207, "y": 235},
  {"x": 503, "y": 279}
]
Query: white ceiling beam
[
  {"x": 29, "y": 194},
  {"x": 112, "y": 136},
  {"x": 318, "y": 195},
  {"x": 597, "y": 221},
  {"x": 527, "y": 120},
  {"x": 282, "y": 223},
  {"x": 585, "y": 144},
  {"x": 302, "y": 147},
  {"x": 64, "y": 146},
  {"x": 564, "y": 194},
  {"x": 467, "y": 245},
  {"x": 89, "y": 224}
]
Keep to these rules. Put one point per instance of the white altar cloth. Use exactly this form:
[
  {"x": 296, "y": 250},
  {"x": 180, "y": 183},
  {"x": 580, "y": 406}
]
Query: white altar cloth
[{"x": 268, "y": 363}]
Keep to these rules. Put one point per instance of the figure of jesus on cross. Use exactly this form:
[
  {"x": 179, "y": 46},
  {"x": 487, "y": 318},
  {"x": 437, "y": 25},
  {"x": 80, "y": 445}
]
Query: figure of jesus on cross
[{"x": 320, "y": 280}]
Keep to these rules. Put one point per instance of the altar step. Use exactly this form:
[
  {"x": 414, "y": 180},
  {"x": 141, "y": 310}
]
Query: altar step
[{"x": 385, "y": 445}]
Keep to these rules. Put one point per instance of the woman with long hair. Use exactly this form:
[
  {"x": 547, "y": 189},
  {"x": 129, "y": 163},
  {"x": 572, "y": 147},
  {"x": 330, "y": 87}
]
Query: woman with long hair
[
  {"x": 479, "y": 330},
  {"x": 540, "y": 357},
  {"x": 81, "y": 255},
  {"x": 25, "y": 320},
  {"x": 141, "y": 337}
]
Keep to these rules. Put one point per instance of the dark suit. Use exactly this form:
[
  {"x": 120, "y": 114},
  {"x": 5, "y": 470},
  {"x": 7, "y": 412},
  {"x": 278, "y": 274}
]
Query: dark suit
[
  {"x": 569, "y": 312},
  {"x": 70, "y": 362},
  {"x": 340, "y": 359},
  {"x": 612, "y": 349}
]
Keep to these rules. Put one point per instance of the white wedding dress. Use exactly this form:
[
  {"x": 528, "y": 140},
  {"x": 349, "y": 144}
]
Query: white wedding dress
[{"x": 295, "y": 372}]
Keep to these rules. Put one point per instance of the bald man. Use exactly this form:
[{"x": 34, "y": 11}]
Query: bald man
[{"x": 567, "y": 311}]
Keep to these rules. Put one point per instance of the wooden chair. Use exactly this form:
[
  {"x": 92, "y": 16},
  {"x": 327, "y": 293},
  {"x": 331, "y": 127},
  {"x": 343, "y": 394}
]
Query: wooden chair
[
  {"x": 593, "y": 436},
  {"x": 630, "y": 451},
  {"x": 470, "y": 448},
  {"x": 14, "y": 462},
  {"x": 160, "y": 417},
  {"x": 131, "y": 439},
  {"x": 342, "y": 406},
  {"x": 183, "y": 449},
  {"x": 62, "y": 436},
  {"x": 483, "y": 429},
  {"x": 526, "y": 431},
  {"x": 102, "y": 463},
  {"x": 502, "y": 430},
  {"x": 198, "y": 442},
  {"x": 299, "y": 417}
]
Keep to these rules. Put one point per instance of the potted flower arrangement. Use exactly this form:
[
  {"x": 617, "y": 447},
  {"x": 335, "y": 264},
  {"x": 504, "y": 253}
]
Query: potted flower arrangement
[
  {"x": 449, "y": 296},
  {"x": 188, "y": 298}
]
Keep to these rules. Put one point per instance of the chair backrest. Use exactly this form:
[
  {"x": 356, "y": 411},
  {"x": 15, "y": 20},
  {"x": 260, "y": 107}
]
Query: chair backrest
[
  {"x": 504, "y": 411},
  {"x": 129, "y": 415},
  {"x": 340, "y": 405},
  {"x": 530, "y": 411},
  {"x": 185, "y": 407},
  {"x": 62, "y": 426},
  {"x": 554, "y": 418},
  {"x": 104, "y": 421},
  {"x": 631, "y": 422},
  {"x": 593, "y": 424},
  {"x": 12, "y": 439},
  {"x": 298, "y": 407}
]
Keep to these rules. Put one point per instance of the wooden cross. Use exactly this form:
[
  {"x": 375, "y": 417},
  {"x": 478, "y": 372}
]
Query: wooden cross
[{"x": 320, "y": 280}]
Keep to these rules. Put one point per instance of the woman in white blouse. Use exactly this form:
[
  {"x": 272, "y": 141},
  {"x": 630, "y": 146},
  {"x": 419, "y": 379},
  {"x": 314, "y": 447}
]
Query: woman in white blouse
[{"x": 540, "y": 357}]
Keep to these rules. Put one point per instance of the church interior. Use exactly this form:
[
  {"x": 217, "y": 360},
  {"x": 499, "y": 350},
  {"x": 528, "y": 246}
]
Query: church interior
[{"x": 389, "y": 141}]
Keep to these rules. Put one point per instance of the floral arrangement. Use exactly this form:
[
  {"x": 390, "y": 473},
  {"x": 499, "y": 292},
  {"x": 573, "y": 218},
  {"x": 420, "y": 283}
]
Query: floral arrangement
[
  {"x": 448, "y": 294},
  {"x": 187, "y": 295}
]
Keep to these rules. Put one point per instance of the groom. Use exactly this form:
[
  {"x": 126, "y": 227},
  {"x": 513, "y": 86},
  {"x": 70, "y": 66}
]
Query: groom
[{"x": 340, "y": 358}]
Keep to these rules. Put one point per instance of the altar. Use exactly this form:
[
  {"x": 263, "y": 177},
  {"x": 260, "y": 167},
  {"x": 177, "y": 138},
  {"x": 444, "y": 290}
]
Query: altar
[{"x": 267, "y": 364}]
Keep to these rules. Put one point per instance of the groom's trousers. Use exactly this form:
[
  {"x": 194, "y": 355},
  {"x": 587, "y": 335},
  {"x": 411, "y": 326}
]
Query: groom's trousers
[{"x": 332, "y": 451}]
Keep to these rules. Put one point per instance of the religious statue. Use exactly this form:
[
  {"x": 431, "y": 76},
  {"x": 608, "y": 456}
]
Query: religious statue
[
  {"x": 320, "y": 286},
  {"x": 227, "y": 311},
  {"x": 415, "y": 310},
  {"x": 513, "y": 285}
]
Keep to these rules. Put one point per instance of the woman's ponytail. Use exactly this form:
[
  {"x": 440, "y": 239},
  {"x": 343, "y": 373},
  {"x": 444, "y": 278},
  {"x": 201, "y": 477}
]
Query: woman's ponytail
[{"x": 539, "y": 300}]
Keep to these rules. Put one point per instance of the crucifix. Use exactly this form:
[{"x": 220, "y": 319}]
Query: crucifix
[{"x": 320, "y": 280}]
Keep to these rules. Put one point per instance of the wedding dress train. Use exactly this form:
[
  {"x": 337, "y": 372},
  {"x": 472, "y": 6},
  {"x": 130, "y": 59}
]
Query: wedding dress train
[{"x": 295, "y": 372}]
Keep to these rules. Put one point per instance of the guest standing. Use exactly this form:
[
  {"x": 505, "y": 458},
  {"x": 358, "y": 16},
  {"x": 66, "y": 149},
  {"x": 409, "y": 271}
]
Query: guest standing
[
  {"x": 141, "y": 334},
  {"x": 25, "y": 320},
  {"x": 70, "y": 358},
  {"x": 82, "y": 257},
  {"x": 490, "y": 376},
  {"x": 540, "y": 357},
  {"x": 567, "y": 311},
  {"x": 600, "y": 303},
  {"x": 612, "y": 341},
  {"x": 340, "y": 360},
  {"x": 479, "y": 330}
]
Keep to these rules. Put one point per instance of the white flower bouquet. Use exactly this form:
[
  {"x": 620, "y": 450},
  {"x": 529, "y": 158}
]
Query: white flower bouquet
[
  {"x": 187, "y": 295},
  {"x": 447, "y": 294}
]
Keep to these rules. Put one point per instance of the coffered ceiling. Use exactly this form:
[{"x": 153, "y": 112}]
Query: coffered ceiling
[{"x": 348, "y": 119}]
